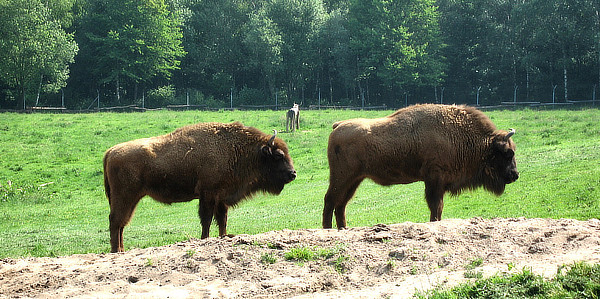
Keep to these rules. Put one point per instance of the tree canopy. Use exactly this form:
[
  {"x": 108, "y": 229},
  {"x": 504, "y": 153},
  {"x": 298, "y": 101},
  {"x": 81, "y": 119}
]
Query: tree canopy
[
  {"x": 338, "y": 52},
  {"x": 35, "y": 51}
]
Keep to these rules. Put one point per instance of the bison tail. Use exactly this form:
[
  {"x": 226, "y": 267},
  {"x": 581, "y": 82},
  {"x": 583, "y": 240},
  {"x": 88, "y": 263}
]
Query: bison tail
[{"x": 106, "y": 184}]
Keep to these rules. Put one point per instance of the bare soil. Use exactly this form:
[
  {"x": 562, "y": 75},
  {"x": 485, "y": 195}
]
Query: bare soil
[{"x": 366, "y": 262}]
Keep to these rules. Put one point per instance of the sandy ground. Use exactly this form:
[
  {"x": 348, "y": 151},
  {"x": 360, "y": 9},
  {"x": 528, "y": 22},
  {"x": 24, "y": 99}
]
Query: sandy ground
[{"x": 367, "y": 262}]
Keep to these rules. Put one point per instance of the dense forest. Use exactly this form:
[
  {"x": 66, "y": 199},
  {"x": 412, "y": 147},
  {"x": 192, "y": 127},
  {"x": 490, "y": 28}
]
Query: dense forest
[{"x": 84, "y": 54}]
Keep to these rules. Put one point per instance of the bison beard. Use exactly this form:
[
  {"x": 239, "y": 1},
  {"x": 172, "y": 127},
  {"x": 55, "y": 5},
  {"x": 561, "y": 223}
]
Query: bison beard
[
  {"x": 221, "y": 164},
  {"x": 450, "y": 148}
]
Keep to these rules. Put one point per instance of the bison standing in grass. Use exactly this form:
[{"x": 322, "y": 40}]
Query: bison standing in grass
[
  {"x": 221, "y": 164},
  {"x": 292, "y": 119},
  {"x": 450, "y": 148}
]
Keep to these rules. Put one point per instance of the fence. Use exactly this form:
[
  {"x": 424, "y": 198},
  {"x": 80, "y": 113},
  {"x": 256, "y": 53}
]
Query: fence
[{"x": 135, "y": 108}]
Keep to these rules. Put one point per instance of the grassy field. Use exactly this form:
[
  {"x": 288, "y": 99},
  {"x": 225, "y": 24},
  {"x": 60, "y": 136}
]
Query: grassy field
[{"x": 52, "y": 198}]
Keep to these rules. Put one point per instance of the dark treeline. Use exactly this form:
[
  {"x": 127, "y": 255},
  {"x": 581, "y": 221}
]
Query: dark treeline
[{"x": 333, "y": 52}]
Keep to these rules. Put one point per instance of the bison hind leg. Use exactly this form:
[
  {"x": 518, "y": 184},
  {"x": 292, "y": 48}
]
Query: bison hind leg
[
  {"x": 121, "y": 212},
  {"x": 434, "y": 194},
  {"x": 221, "y": 218},
  {"x": 336, "y": 199}
]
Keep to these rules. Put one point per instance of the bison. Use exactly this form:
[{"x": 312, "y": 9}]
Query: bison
[
  {"x": 292, "y": 120},
  {"x": 450, "y": 148},
  {"x": 220, "y": 164}
]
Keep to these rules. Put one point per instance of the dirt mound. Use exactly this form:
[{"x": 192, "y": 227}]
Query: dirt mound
[{"x": 379, "y": 261}]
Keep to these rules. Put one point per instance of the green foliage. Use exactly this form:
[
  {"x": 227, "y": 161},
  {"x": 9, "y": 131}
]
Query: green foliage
[
  {"x": 470, "y": 269},
  {"x": 339, "y": 52},
  {"x": 302, "y": 254},
  {"x": 55, "y": 201},
  {"x": 190, "y": 253},
  {"x": 35, "y": 51},
  {"x": 339, "y": 264},
  {"x": 474, "y": 263},
  {"x": 268, "y": 258},
  {"x": 251, "y": 96},
  {"x": 579, "y": 280},
  {"x": 133, "y": 39},
  {"x": 161, "y": 96},
  {"x": 397, "y": 41}
]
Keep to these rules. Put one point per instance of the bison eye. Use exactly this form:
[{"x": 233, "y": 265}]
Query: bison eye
[{"x": 277, "y": 155}]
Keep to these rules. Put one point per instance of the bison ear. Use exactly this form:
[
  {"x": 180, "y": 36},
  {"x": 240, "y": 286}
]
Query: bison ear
[
  {"x": 266, "y": 150},
  {"x": 272, "y": 152}
]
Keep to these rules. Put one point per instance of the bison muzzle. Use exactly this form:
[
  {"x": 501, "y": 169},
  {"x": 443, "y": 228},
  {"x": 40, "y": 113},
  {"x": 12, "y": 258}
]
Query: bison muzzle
[
  {"x": 450, "y": 148},
  {"x": 220, "y": 164}
]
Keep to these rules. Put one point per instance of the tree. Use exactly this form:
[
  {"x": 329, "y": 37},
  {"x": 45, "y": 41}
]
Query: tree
[
  {"x": 214, "y": 37},
  {"x": 566, "y": 37},
  {"x": 35, "y": 52},
  {"x": 337, "y": 61},
  {"x": 264, "y": 44},
  {"x": 396, "y": 43},
  {"x": 297, "y": 23},
  {"x": 130, "y": 40}
]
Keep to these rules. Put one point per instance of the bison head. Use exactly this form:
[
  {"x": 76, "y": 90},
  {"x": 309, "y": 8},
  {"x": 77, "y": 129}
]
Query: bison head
[
  {"x": 277, "y": 164},
  {"x": 501, "y": 168}
]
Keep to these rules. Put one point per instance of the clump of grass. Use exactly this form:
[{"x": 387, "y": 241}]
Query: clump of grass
[
  {"x": 473, "y": 274},
  {"x": 474, "y": 263},
  {"x": 268, "y": 258},
  {"x": 339, "y": 264},
  {"x": 190, "y": 253},
  {"x": 303, "y": 254},
  {"x": 579, "y": 280},
  {"x": 149, "y": 262}
]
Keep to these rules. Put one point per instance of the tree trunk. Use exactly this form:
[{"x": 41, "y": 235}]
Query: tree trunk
[
  {"x": 37, "y": 99},
  {"x": 565, "y": 77},
  {"x": 23, "y": 96},
  {"x": 118, "y": 94}
]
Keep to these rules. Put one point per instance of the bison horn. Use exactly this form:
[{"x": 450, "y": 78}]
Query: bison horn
[
  {"x": 510, "y": 133},
  {"x": 272, "y": 140}
]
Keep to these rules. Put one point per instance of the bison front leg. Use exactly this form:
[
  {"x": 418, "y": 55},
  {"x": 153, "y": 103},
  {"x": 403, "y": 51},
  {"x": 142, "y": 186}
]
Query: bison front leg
[
  {"x": 206, "y": 210},
  {"x": 434, "y": 194}
]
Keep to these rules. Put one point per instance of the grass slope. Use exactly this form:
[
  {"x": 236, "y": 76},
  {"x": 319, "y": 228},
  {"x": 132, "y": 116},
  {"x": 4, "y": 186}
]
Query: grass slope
[{"x": 52, "y": 198}]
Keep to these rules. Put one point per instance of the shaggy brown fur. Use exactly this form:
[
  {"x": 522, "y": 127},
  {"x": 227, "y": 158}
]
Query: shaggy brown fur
[
  {"x": 450, "y": 148},
  {"x": 292, "y": 121},
  {"x": 220, "y": 164}
]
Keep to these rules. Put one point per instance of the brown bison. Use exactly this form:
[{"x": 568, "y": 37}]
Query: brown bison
[
  {"x": 450, "y": 148},
  {"x": 220, "y": 164}
]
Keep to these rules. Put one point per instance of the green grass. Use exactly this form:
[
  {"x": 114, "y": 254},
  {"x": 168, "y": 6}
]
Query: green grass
[
  {"x": 579, "y": 280},
  {"x": 52, "y": 198}
]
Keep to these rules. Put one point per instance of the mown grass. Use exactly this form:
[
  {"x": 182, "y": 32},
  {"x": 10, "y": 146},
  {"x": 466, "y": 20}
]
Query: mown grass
[{"x": 52, "y": 198}]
